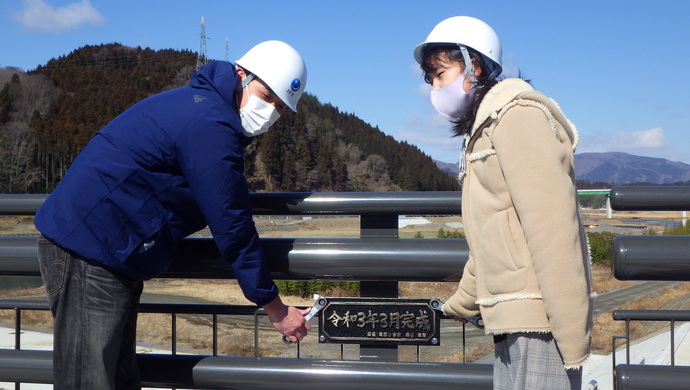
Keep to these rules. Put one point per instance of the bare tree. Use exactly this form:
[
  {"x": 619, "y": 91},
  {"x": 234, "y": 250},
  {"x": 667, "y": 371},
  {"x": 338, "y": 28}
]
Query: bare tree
[{"x": 16, "y": 146}]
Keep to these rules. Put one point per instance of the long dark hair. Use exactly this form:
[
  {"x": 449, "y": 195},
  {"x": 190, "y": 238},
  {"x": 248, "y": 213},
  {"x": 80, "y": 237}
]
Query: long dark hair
[{"x": 462, "y": 125}]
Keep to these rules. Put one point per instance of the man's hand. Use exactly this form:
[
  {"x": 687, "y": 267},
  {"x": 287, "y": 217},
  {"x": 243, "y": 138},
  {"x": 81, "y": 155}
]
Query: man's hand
[{"x": 288, "y": 320}]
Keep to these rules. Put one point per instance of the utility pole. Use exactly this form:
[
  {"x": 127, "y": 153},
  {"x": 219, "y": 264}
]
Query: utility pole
[{"x": 201, "y": 58}]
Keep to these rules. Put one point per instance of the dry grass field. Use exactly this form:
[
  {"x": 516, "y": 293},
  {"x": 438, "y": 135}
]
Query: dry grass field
[{"x": 236, "y": 337}]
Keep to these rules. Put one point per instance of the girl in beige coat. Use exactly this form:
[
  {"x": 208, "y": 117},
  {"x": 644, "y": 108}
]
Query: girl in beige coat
[{"x": 528, "y": 272}]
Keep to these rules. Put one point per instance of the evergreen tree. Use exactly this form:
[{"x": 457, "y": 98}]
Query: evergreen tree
[{"x": 59, "y": 106}]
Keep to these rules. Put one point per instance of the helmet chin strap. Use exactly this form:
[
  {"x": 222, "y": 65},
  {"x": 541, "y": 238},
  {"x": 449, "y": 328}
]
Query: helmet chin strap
[
  {"x": 468, "y": 63},
  {"x": 250, "y": 77},
  {"x": 242, "y": 85}
]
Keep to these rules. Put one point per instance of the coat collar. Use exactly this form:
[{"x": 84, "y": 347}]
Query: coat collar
[{"x": 498, "y": 96}]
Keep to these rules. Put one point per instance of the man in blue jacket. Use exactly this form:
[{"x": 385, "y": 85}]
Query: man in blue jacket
[{"x": 165, "y": 168}]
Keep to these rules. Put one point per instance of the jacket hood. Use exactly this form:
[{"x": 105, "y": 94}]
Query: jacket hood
[
  {"x": 498, "y": 97},
  {"x": 219, "y": 76}
]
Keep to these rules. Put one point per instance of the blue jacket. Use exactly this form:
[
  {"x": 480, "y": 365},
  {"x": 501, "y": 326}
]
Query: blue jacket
[{"x": 163, "y": 169}]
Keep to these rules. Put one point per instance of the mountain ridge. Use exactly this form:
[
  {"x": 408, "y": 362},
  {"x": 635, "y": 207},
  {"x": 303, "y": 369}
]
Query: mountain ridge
[
  {"x": 52, "y": 112},
  {"x": 617, "y": 168}
]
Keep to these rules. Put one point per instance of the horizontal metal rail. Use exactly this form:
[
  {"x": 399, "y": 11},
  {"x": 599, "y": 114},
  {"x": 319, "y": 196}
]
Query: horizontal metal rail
[
  {"x": 651, "y": 258},
  {"x": 651, "y": 315},
  {"x": 167, "y": 379},
  {"x": 648, "y": 315},
  {"x": 651, "y": 377},
  {"x": 25, "y": 366},
  {"x": 212, "y": 372},
  {"x": 650, "y": 198},
  {"x": 215, "y": 310},
  {"x": 20, "y": 204},
  {"x": 351, "y": 259},
  {"x": 384, "y": 258},
  {"x": 357, "y": 203},
  {"x": 168, "y": 308},
  {"x": 309, "y": 203}
]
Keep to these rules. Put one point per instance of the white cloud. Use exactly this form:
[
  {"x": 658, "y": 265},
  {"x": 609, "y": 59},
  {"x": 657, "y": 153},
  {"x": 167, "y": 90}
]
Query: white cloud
[
  {"x": 39, "y": 16},
  {"x": 431, "y": 132},
  {"x": 652, "y": 138},
  {"x": 424, "y": 89},
  {"x": 634, "y": 142},
  {"x": 510, "y": 70},
  {"x": 416, "y": 70}
]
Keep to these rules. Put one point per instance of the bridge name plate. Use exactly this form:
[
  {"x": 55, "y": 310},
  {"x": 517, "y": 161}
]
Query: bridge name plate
[{"x": 381, "y": 321}]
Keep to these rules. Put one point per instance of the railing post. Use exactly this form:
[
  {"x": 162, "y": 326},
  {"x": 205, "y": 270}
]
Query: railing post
[
  {"x": 609, "y": 211},
  {"x": 215, "y": 334},
  {"x": 673, "y": 342},
  {"x": 627, "y": 341},
  {"x": 17, "y": 328},
  {"x": 256, "y": 335},
  {"x": 613, "y": 353},
  {"x": 174, "y": 332},
  {"x": 378, "y": 226}
]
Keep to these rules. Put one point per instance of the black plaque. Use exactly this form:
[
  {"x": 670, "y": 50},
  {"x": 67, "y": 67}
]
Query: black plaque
[{"x": 380, "y": 321}]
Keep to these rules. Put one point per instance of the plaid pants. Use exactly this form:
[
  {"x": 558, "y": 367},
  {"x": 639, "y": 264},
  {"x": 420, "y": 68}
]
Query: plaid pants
[{"x": 531, "y": 361}]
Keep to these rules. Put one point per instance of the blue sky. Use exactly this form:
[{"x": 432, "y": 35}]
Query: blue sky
[{"x": 617, "y": 68}]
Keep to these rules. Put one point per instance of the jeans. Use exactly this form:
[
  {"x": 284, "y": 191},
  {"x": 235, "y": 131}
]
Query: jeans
[{"x": 95, "y": 316}]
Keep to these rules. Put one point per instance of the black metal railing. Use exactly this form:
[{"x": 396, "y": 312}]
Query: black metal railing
[
  {"x": 660, "y": 258},
  {"x": 379, "y": 259}
]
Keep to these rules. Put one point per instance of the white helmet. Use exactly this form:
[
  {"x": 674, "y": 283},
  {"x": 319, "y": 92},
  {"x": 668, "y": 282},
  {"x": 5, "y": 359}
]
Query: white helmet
[
  {"x": 280, "y": 66},
  {"x": 466, "y": 31}
]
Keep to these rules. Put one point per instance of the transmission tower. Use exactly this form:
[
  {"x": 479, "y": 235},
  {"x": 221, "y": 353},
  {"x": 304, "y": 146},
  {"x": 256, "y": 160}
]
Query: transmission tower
[
  {"x": 227, "y": 50},
  {"x": 201, "y": 58}
]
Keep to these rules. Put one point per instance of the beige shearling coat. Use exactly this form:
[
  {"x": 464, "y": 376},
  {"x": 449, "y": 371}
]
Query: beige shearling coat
[{"x": 529, "y": 267}]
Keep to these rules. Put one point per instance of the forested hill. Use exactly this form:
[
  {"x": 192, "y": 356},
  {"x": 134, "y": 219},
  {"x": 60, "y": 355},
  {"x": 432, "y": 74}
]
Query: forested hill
[{"x": 48, "y": 115}]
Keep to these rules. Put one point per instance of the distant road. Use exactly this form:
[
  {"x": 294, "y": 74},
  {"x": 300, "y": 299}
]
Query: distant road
[
  {"x": 176, "y": 299},
  {"x": 612, "y": 299}
]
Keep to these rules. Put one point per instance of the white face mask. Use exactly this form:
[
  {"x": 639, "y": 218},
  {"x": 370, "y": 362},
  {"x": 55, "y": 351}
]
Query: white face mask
[
  {"x": 452, "y": 100},
  {"x": 257, "y": 116}
]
